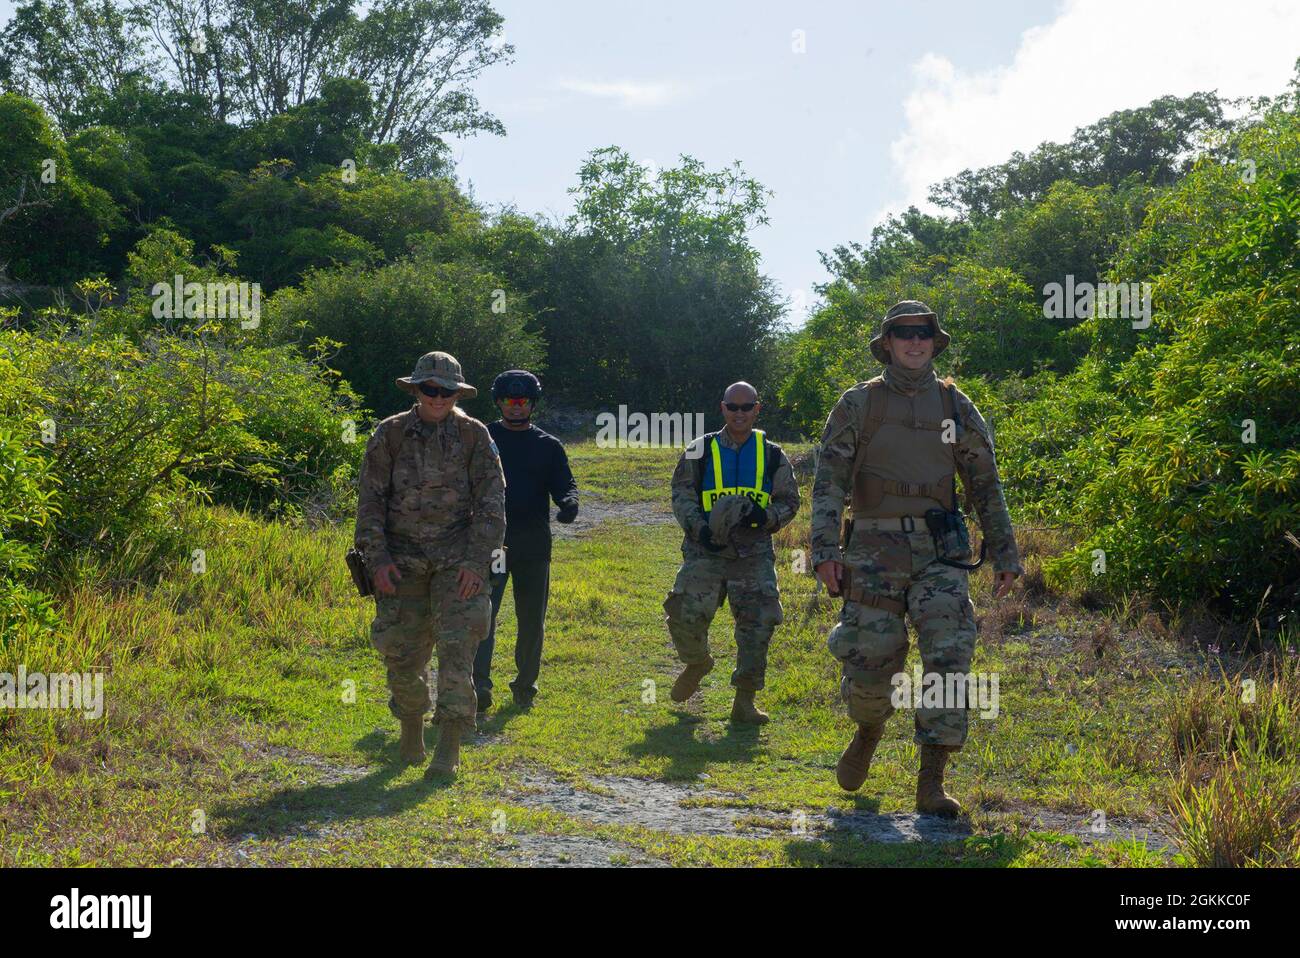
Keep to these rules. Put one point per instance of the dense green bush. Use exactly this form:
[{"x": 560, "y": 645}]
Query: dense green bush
[
  {"x": 1195, "y": 478},
  {"x": 29, "y": 505},
  {"x": 388, "y": 317},
  {"x": 140, "y": 423}
]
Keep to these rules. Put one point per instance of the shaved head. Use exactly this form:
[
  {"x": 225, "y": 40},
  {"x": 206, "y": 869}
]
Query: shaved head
[{"x": 740, "y": 392}]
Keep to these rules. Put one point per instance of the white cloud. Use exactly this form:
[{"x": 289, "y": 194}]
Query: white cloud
[
  {"x": 1097, "y": 57},
  {"x": 629, "y": 94}
]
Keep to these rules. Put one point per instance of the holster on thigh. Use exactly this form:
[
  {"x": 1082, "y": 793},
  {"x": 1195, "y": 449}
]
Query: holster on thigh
[{"x": 855, "y": 592}]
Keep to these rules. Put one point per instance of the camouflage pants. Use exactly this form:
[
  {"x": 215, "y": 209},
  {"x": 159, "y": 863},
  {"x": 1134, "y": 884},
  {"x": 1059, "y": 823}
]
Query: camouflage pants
[
  {"x": 871, "y": 642},
  {"x": 750, "y": 585},
  {"x": 426, "y": 614}
]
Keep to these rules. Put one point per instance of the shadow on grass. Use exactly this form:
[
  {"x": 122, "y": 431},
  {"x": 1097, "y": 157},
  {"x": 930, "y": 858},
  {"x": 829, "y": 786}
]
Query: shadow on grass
[
  {"x": 380, "y": 745},
  {"x": 845, "y": 847},
  {"x": 496, "y": 721},
  {"x": 689, "y": 756},
  {"x": 294, "y": 811}
]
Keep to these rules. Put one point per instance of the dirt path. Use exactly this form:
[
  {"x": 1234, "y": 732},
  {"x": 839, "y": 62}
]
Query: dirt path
[
  {"x": 594, "y": 512},
  {"x": 686, "y": 810},
  {"x": 679, "y": 809}
]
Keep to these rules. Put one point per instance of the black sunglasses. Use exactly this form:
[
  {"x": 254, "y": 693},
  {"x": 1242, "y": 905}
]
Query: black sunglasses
[
  {"x": 437, "y": 391},
  {"x": 740, "y": 407},
  {"x": 912, "y": 332}
]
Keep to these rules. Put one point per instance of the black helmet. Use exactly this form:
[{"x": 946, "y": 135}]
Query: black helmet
[{"x": 514, "y": 383}]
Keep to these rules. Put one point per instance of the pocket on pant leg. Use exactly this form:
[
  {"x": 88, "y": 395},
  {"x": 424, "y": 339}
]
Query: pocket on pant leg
[
  {"x": 400, "y": 626},
  {"x": 693, "y": 607},
  {"x": 673, "y": 605},
  {"x": 465, "y": 622},
  {"x": 754, "y": 595},
  {"x": 868, "y": 640},
  {"x": 388, "y": 610}
]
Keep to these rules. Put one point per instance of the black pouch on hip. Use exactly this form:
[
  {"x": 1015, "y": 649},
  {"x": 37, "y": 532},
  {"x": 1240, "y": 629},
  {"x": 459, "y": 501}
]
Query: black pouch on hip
[{"x": 951, "y": 540}]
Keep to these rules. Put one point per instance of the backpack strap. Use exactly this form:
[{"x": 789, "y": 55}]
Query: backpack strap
[
  {"x": 469, "y": 436},
  {"x": 872, "y": 417},
  {"x": 947, "y": 393}
]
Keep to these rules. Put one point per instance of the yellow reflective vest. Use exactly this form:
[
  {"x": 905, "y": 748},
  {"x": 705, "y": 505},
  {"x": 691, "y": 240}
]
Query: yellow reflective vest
[{"x": 748, "y": 473}]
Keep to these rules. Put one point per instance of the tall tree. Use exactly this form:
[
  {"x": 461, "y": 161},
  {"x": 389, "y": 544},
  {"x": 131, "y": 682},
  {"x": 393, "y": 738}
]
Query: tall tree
[
  {"x": 253, "y": 60},
  {"x": 58, "y": 52}
]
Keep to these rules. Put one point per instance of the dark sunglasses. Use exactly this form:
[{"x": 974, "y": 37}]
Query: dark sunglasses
[
  {"x": 437, "y": 391},
  {"x": 912, "y": 332},
  {"x": 740, "y": 407}
]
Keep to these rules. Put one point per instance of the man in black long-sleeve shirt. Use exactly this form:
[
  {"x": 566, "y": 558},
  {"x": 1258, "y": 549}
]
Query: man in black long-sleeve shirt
[{"x": 537, "y": 470}]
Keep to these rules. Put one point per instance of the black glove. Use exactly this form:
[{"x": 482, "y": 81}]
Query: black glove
[
  {"x": 756, "y": 516},
  {"x": 706, "y": 539},
  {"x": 568, "y": 511}
]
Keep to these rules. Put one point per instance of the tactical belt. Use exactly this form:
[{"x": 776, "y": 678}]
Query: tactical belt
[{"x": 890, "y": 523}]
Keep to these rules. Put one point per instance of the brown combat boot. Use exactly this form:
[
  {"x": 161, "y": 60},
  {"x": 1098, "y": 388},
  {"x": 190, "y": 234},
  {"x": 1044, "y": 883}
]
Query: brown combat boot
[
  {"x": 930, "y": 796},
  {"x": 446, "y": 758},
  {"x": 689, "y": 681},
  {"x": 744, "y": 710},
  {"x": 855, "y": 762},
  {"x": 411, "y": 747}
]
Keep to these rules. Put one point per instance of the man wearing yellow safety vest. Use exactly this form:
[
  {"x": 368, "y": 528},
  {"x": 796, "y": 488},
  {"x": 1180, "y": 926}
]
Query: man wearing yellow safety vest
[{"x": 731, "y": 490}]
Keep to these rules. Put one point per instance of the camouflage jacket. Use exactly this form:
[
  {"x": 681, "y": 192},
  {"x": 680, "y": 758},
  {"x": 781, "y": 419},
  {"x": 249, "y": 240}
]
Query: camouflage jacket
[
  {"x": 690, "y": 511},
  {"x": 431, "y": 493},
  {"x": 975, "y": 464}
]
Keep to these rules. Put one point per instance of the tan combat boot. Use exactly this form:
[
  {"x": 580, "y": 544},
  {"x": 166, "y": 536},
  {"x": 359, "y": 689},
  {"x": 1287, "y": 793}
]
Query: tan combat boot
[
  {"x": 689, "y": 680},
  {"x": 744, "y": 709},
  {"x": 930, "y": 796},
  {"x": 851, "y": 770},
  {"x": 446, "y": 758},
  {"x": 411, "y": 747}
]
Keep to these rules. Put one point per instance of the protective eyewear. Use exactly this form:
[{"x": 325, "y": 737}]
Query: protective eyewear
[
  {"x": 912, "y": 332},
  {"x": 436, "y": 392},
  {"x": 740, "y": 407}
]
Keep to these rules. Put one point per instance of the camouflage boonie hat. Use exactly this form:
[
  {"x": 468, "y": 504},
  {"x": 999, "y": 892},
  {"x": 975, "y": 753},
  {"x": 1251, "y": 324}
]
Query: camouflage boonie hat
[
  {"x": 440, "y": 368},
  {"x": 908, "y": 309},
  {"x": 725, "y": 516}
]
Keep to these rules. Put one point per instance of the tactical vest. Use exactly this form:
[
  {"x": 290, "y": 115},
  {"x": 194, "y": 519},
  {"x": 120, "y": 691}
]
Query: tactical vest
[
  {"x": 868, "y": 488},
  {"x": 441, "y": 496},
  {"x": 749, "y": 473}
]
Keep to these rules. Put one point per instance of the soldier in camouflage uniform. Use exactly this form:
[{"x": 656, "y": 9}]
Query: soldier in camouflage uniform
[
  {"x": 727, "y": 551},
  {"x": 895, "y": 445},
  {"x": 430, "y": 517}
]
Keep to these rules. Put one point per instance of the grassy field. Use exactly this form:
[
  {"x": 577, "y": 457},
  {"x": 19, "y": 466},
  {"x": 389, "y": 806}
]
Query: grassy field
[{"x": 246, "y": 723}]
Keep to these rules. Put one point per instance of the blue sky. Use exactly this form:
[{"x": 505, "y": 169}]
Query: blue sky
[
  {"x": 721, "y": 81},
  {"x": 885, "y": 98}
]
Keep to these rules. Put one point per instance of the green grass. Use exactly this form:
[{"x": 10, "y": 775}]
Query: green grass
[{"x": 249, "y": 695}]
